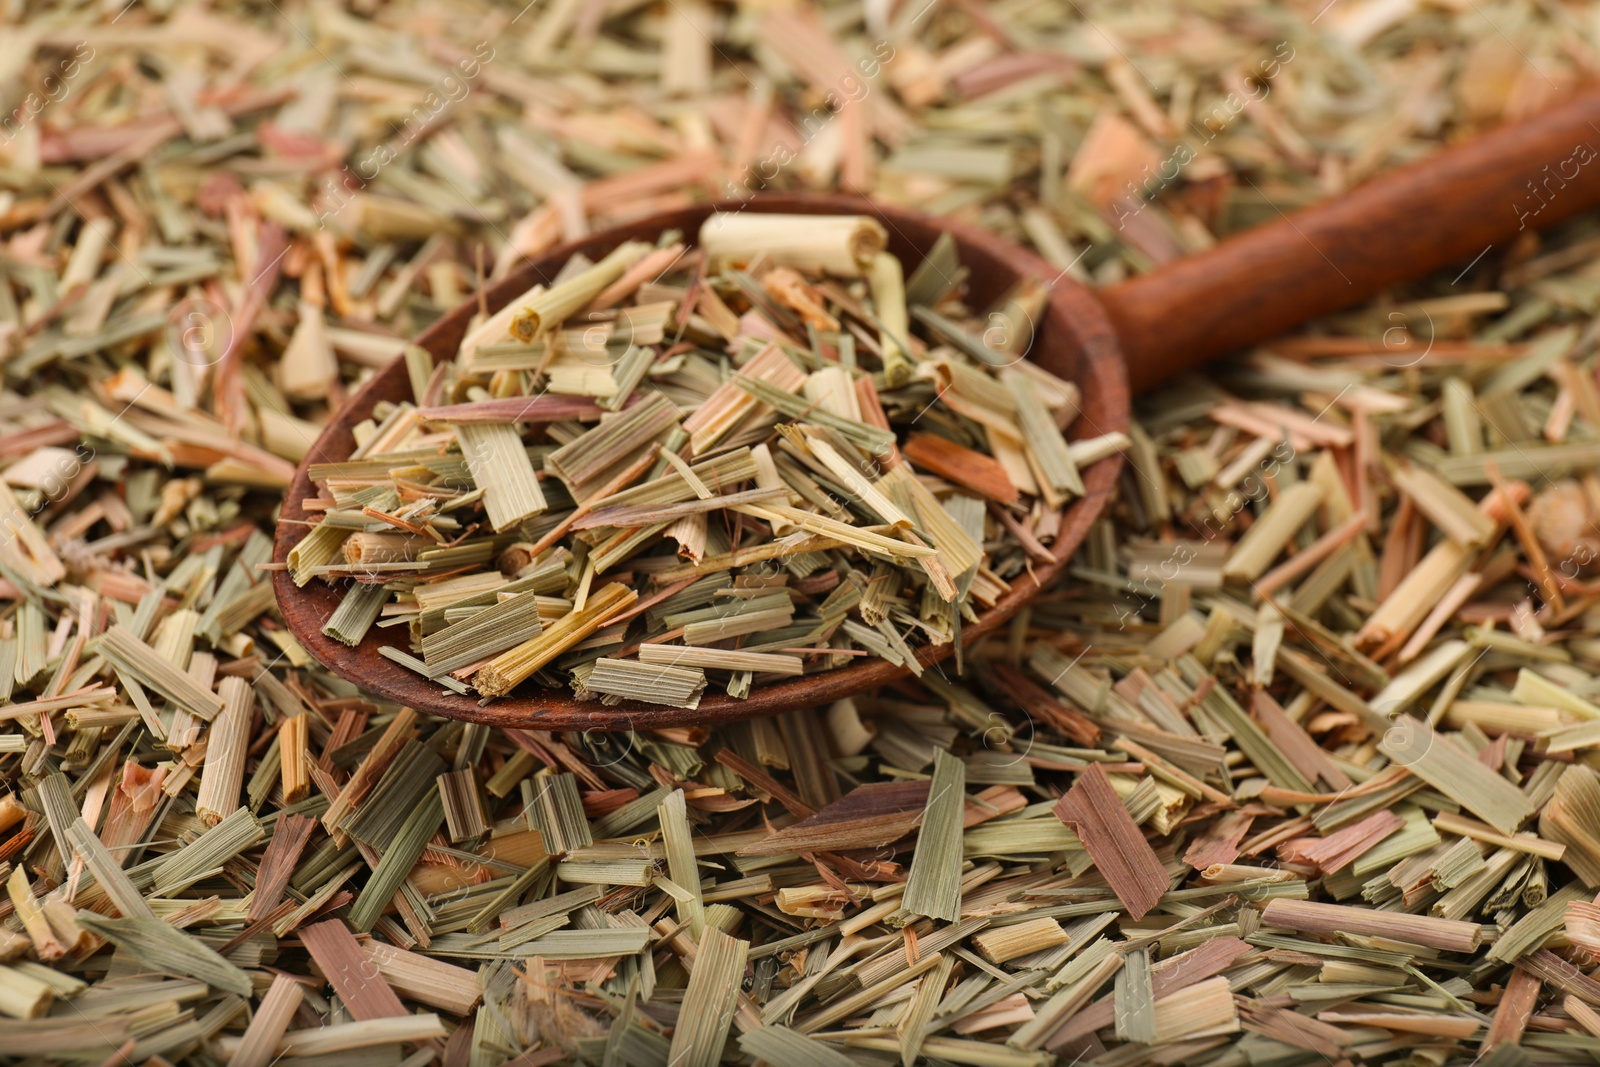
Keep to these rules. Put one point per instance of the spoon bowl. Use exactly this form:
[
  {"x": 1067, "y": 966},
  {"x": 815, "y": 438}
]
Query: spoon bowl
[
  {"x": 1467, "y": 205},
  {"x": 1074, "y": 341}
]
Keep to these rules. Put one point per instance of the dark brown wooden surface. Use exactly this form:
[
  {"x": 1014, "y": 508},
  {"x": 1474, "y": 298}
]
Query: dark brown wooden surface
[
  {"x": 1074, "y": 341},
  {"x": 1468, "y": 201}
]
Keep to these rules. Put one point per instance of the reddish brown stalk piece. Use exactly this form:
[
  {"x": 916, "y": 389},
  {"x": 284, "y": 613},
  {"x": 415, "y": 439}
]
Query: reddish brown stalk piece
[
  {"x": 278, "y": 862},
  {"x": 1093, "y": 811},
  {"x": 23, "y": 442},
  {"x": 1564, "y": 976},
  {"x": 765, "y": 782},
  {"x": 352, "y": 975},
  {"x": 1316, "y": 917},
  {"x": 967, "y": 468},
  {"x": 1291, "y": 1028},
  {"x": 1297, "y": 746},
  {"x": 1220, "y": 843},
  {"x": 1516, "y": 1006},
  {"x": 1032, "y": 697},
  {"x": 230, "y": 400},
  {"x": 1548, "y": 586},
  {"x": 1330, "y": 853}
]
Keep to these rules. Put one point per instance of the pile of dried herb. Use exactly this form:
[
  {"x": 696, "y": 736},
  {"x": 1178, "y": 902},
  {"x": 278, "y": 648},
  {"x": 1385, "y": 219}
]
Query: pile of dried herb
[
  {"x": 743, "y": 458},
  {"x": 1297, "y": 766}
]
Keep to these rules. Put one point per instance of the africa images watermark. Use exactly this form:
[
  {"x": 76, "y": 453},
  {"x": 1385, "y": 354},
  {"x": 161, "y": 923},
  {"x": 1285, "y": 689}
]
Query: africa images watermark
[
  {"x": 51, "y": 487},
  {"x": 1582, "y": 155},
  {"x": 52, "y": 90}
]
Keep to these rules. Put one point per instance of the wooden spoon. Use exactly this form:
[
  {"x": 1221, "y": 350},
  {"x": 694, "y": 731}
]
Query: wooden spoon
[{"x": 1453, "y": 208}]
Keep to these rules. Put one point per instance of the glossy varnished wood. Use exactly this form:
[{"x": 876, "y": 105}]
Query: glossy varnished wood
[{"x": 1074, "y": 341}]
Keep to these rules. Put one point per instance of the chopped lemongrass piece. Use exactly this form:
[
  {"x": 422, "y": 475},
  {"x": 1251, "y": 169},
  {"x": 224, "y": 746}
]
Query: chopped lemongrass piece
[
  {"x": 710, "y": 1000},
  {"x": 894, "y": 323},
  {"x": 541, "y": 311},
  {"x": 1003, "y": 943},
  {"x": 483, "y": 633},
  {"x": 509, "y": 669},
  {"x": 1315, "y": 917},
  {"x": 1051, "y": 460},
  {"x": 1266, "y": 538},
  {"x": 136, "y": 660},
  {"x": 832, "y": 244},
  {"x": 226, "y": 748},
  {"x": 163, "y": 948},
  {"x": 649, "y": 683},
  {"x": 721, "y": 659},
  {"x": 355, "y": 614},
  {"x": 1092, "y": 810},
  {"x": 500, "y": 467},
  {"x": 933, "y": 888}
]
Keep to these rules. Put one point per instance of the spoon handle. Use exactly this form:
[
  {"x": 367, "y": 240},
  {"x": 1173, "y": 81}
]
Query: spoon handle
[{"x": 1453, "y": 208}]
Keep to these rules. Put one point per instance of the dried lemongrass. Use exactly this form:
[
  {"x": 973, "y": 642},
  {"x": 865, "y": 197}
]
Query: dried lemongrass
[
  {"x": 556, "y": 810},
  {"x": 833, "y": 244},
  {"x": 1053, "y": 466},
  {"x": 1314, "y": 917},
  {"x": 224, "y": 757},
  {"x": 355, "y": 614},
  {"x": 506, "y": 671},
  {"x": 397, "y": 859},
  {"x": 352, "y": 1036},
  {"x": 933, "y": 888},
  {"x": 440, "y": 985},
  {"x": 22, "y": 996},
  {"x": 1571, "y": 818},
  {"x": 493, "y": 629},
  {"x": 1447, "y": 507},
  {"x": 206, "y": 854},
  {"x": 710, "y": 1000},
  {"x": 650, "y": 683},
  {"x": 1263, "y": 542},
  {"x": 46, "y": 946},
  {"x": 894, "y": 323},
  {"x": 1234, "y": 734},
  {"x": 1093, "y": 812},
  {"x": 965, "y": 467},
  {"x": 783, "y": 1047},
  {"x": 339, "y": 956},
  {"x": 258, "y": 1047},
  {"x": 163, "y": 948},
  {"x": 136, "y": 660},
  {"x": 1004, "y": 943},
  {"x": 785, "y": 461},
  {"x": 464, "y": 813},
  {"x": 557, "y": 303},
  {"x": 500, "y": 467},
  {"x": 721, "y": 659},
  {"x": 681, "y": 863},
  {"x": 1206, "y": 1009},
  {"x": 1437, "y": 760}
]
